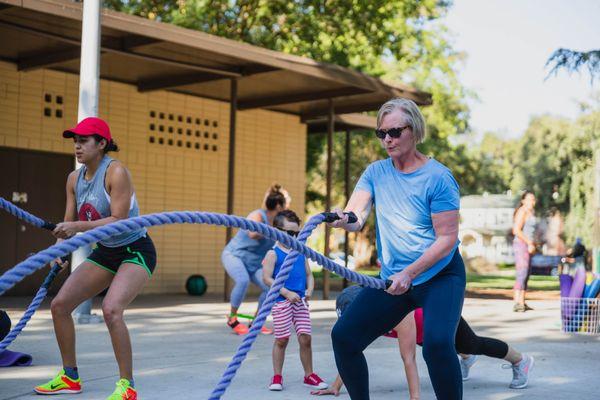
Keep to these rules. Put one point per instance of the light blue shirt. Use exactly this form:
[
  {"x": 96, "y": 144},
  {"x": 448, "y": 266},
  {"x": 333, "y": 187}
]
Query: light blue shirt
[
  {"x": 404, "y": 203},
  {"x": 250, "y": 251}
]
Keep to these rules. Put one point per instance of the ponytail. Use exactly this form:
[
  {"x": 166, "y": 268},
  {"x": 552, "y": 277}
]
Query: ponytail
[
  {"x": 275, "y": 197},
  {"x": 111, "y": 145}
]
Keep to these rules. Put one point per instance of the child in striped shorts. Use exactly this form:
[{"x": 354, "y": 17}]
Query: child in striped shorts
[{"x": 292, "y": 305}]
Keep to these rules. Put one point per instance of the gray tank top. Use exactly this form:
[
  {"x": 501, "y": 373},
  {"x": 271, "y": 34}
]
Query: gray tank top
[
  {"x": 93, "y": 203},
  {"x": 529, "y": 227},
  {"x": 250, "y": 251}
]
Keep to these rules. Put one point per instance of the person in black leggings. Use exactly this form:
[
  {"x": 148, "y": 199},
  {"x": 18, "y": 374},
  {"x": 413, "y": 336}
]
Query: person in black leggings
[
  {"x": 417, "y": 201},
  {"x": 468, "y": 344}
]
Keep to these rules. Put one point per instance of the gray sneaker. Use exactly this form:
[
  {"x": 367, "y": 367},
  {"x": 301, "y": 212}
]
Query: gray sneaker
[
  {"x": 465, "y": 365},
  {"x": 521, "y": 372}
]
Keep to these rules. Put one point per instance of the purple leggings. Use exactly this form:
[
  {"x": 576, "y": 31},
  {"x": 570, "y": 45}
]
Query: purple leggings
[{"x": 522, "y": 258}]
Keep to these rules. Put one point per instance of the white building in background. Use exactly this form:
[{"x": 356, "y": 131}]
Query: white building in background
[{"x": 486, "y": 227}]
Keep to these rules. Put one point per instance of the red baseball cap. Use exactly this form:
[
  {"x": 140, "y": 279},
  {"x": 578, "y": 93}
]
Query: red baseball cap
[{"x": 90, "y": 126}]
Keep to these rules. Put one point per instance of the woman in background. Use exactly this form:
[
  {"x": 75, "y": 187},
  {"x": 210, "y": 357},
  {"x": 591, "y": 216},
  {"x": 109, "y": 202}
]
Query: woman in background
[{"x": 524, "y": 223}]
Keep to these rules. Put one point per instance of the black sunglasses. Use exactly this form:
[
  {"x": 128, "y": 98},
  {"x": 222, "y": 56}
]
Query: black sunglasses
[
  {"x": 291, "y": 233},
  {"x": 393, "y": 132}
]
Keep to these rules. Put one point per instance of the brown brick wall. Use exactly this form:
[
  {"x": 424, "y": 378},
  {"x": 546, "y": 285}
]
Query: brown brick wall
[{"x": 271, "y": 147}]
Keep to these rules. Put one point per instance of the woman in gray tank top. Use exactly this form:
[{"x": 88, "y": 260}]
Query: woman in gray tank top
[
  {"x": 524, "y": 224},
  {"x": 98, "y": 193},
  {"x": 242, "y": 257}
]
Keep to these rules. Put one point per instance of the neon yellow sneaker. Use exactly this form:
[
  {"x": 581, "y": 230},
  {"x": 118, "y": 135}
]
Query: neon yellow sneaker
[
  {"x": 59, "y": 385},
  {"x": 123, "y": 391}
]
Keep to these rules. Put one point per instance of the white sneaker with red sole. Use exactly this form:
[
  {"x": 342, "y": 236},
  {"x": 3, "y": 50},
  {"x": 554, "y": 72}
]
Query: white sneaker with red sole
[{"x": 276, "y": 383}]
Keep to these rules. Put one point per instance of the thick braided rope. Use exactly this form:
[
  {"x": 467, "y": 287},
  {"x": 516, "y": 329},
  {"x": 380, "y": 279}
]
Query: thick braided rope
[
  {"x": 35, "y": 303},
  {"x": 37, "y": 261},
  {"x": 22, "y": 214},
  {"x": 263, "y": 313},
  {"x": 41, "y": 294}
]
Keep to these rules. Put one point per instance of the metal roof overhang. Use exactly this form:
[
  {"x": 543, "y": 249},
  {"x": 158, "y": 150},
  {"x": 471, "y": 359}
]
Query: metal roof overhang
[
  {"x": 343, "y": 122},
  {"x": 159, "y": 56}
]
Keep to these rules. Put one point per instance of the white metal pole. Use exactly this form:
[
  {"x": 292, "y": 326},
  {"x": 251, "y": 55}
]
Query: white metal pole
[{"x": 89, "y": 87}]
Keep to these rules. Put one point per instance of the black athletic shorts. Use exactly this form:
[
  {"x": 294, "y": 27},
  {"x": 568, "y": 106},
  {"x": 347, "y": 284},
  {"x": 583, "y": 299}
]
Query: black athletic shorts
[{"x": 140, "y": 252}]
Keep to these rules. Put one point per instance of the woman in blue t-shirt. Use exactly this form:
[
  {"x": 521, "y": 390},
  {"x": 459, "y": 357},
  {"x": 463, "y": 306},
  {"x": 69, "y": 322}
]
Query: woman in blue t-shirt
[{"x": 416, "y": 201}]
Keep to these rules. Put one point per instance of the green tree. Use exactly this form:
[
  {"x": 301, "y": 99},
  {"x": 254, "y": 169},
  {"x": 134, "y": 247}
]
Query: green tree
[
  {"x": 496, "y": 162},
  {"x": 574, "y": 61},
  {"x": 160, "y": 10},
  {"x": 401, "y": 40},
  {"x": 542, "y": 161},
  {"x": 583, "y": 142},
  {"x": 554, "y": 159},
  {"x": 349, "y": 33}
]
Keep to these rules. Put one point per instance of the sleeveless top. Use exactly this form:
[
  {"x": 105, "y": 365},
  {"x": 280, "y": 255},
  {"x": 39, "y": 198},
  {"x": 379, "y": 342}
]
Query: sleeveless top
[
  {"x": 93, "y": 203},
  {"x": 250, "y": 251},
  {"x": 296, "y": 281},
  {"x": 529, "y": 227}
]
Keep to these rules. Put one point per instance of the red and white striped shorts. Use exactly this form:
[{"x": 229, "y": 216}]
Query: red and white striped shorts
[{"x": 285, "y": 314}]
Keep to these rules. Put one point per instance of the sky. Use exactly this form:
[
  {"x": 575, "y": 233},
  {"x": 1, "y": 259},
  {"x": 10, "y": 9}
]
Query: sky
[{"x": 507, "y": 43}]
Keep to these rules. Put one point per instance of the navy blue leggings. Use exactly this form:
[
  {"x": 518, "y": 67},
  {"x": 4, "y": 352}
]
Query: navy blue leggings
[{"x": 375, "y": 312}]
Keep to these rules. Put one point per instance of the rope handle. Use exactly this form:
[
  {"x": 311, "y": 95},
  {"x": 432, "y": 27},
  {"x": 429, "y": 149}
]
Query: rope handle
[
  {"x": 332, "y": 217},
  {"x": 49, "y": 226}
]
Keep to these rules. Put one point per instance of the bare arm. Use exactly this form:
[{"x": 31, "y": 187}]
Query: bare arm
[
  {"x": 70, "y": 210},
  {"x": 268, "y": 267},
  {"x": 333, "y": 389},
  {"x": 360, "y": 203},
  {"x": 310, "y": 280},
  {"x": 255, "y": 216},
  {"x": 445, "y": 226},
  {"x": 71, "y": 207}
]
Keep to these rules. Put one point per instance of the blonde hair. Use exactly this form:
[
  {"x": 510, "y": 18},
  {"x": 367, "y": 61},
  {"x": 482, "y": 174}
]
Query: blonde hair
[{"x": 411, "y": 111}]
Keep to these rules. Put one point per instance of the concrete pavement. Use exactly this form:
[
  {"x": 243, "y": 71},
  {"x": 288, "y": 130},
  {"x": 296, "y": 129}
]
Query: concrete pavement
[{"x": 182, "y": 346}]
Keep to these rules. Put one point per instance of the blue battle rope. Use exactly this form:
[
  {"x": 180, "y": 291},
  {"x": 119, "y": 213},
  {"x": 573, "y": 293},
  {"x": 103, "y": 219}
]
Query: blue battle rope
[
  {"x": 37, "y": 261},
  {"x": 25, "y": 216},
  {"x": 37, "y": 300},
  {"x": 41, "y": 294}
]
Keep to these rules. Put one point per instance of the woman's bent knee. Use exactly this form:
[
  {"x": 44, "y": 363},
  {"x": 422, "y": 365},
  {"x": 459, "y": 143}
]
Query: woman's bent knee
[
  {"x": 438, "y": 347},
  {"x": 241, "y": 283},
  {"x": 342, "y": 340},
  {"x": 60, "y": 306},
  {"x": 111, "y": 313}
]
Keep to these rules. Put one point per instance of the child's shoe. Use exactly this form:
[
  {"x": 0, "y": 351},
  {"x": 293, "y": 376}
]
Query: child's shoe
[
  {"x": 313, "y": 381},
  {"x": 276, "y": 383}
]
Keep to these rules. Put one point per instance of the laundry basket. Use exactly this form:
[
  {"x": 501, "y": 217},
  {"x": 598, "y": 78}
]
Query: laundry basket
[{"x": 580, "y": 315}]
